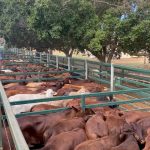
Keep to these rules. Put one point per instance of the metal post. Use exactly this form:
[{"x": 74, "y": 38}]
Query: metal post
[
  {"x": 17, "y": 52},
  {"x": 83, "y": 102},
  {"x": 40, "y": 57},
  {"x": 57, "y": 64},
  {"x": 118, "y": 81},
  {"x": 69, "y": 64},
  {"x": 86, "y": 69},
  {"x": 47, "y": 60},
  {"x": 112, "y": 78},
  {"x": 30, "y": 53}
]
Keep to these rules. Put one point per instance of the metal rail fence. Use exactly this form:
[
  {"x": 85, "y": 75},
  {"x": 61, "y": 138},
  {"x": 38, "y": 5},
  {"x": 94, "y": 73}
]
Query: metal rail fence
[
  {"x": 124, "y": 81},
  {"x": 91, "y": 69}
]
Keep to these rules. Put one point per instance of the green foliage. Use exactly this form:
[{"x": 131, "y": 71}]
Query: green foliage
[
  {"x": 77, "y": 24},
  {"x": 62, "y": 22},
  {"x": 134, "y": 31},
  {"x": 103, "y": 44}
]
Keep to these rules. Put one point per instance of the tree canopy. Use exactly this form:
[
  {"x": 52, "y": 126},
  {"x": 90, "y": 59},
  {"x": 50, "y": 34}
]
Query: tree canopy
[{"x": 104, "y": 27}]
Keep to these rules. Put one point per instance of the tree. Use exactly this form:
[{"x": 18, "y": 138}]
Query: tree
[
  {"x": 14, "y": 26},
  {"x": 103, "y": 41},
  {"x": 120, "y": 29},
  {"x": 64, "y": 23},
  {"x": 134, "y": 30}
]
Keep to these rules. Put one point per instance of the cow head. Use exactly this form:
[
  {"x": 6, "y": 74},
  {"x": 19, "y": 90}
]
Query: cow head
[{"x": 135, "y": 130}]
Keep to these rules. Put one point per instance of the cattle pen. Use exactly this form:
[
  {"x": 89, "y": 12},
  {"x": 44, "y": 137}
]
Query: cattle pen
[{"x": 130, "y": 86}]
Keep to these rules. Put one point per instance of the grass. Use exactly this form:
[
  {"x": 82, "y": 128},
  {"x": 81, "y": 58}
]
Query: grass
[{"x": 137, "y": 62}]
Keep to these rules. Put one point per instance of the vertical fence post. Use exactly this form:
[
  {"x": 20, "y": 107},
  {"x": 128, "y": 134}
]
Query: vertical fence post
[
  {"x": 47, "y": 59},
  {"x": 57, "y": 63},
  {"x": 27, "y": 55},
  {"x": 40, "y": 57},
  {"x": 112, "y": 78},
  {"x": 83, "y": 102},
  {"x": 86, "y": 69},
  {"x": 118, "y": 81},
  {"x": 69, "y": 64},
  {"x": 16, "y": 51},
  {"x": 30, "y": 55}
]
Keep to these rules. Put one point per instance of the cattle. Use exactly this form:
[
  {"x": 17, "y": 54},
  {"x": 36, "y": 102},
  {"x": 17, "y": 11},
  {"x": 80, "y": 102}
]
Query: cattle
[
  {"x": 41, "y": 107},
  {"x": 114, "y": 123},
  {"x": 104, "y": 143},
  {"x": 6, "y": 78},
  {"x": 57, "y": 84},
  {"x": 133, "y": 129},
  {"x": 34, "y": 84},
  {"x": 66, "y": 140},
  {"x": 130, "y": 134},
  {"x": 27, "y": 107},
  {"x": 68, "y": 125},
  {"x": 130, "y": 143},
  {"x": 7, "y": 86},
  {"x": 147, "y": 144},
  {"x": 96, "y": 127},
  {"x": 27, "y": 91},
  {"x": 35, "y": 128},
  {"x": 145, "y": 124},
  {"x": 134, "y": 116},
  {"x": 38, "y": 128},
  {"x": 20, "y": 88}
]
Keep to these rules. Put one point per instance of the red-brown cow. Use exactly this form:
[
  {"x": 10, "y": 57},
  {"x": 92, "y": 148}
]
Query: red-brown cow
[
  {"x": 96, "y": 127},
  {"x": 66, "y": 140},
  {"x": 105, "y": 143}
]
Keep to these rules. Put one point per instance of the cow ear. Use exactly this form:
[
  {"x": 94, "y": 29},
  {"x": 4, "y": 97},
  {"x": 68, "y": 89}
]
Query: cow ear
[{"x": 75, "y": 108}]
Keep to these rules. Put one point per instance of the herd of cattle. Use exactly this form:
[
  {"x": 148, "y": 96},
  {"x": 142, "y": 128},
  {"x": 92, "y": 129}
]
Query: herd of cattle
[{"x": 103, "y": 128}]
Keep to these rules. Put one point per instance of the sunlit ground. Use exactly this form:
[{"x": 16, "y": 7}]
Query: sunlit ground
[{"x": 133, "y": 61}]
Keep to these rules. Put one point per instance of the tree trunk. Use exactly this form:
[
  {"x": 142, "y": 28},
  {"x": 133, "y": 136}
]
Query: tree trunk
[
  {"x": 102, "y": 55},
  {"x": 69, "y": 53}
]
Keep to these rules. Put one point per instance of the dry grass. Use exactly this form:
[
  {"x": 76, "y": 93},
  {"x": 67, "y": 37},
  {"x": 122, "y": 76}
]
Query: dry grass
[{"x": 137, "y": 62}]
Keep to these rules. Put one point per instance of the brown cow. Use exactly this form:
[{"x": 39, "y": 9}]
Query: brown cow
[
  {"x": 147, "y": 145},
  {"x": 135, "y": 130},
  {"x": 68, "y": 125},
  {"x": 104, "y": 143},
  {"x": 27, "y": 91},
  {"x": 134, "y": 116},
  {"x": 10, "y": 85},
  {"x": 37, "y": 129},
  {"x": 130, "y": 143},
  {"x": 34, "y": 127},
  {"x": 41, "y": 107},
  {"x": 114, "y": 124},
  {"x": 130, "y": 133},
  {"x": 66, "y": 140},
  {"x": 96, "y": 127}
]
